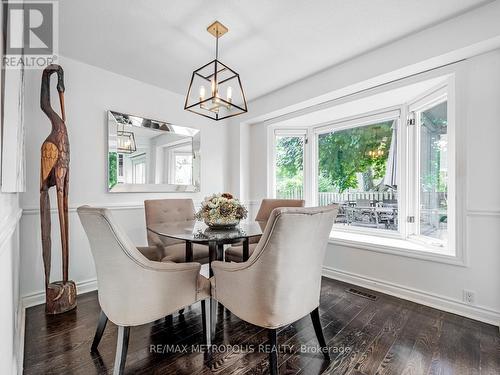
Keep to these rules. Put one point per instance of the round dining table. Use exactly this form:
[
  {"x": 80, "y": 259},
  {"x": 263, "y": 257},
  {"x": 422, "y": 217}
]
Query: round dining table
[{"x": 193, "y": 231}]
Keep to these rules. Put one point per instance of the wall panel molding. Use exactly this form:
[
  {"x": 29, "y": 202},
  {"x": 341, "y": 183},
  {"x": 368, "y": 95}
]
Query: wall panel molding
[{"x": 8, "y": 227}]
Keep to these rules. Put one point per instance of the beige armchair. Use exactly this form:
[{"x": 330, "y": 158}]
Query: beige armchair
[
  {"x": 160, "y": 211},
  {"x": 132, "y": 289},
  {"x": 284, "y": 272},
  {"x": 235, "y": 252}
]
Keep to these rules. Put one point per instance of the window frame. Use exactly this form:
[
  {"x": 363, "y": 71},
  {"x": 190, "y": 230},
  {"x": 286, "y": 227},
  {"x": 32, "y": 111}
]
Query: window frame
[
  {"x": 426, "y": 101},
  {"x": 173, "y": 164},
  {"x": 365, "y": 119},
  {"x": 136, "y": 161},
  {"x": 399, "y": 242},
  {"x": 287, "y": 132}
]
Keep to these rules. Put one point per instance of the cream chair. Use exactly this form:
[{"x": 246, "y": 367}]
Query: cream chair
[
  {"x": 161, "y": 211},
  {"x": 235, "y": 252},
  {"x": 284, "y": 272},
  {"x": 132, "y": 289}
]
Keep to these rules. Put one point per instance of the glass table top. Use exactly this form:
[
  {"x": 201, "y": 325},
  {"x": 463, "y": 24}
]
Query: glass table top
[{"x": 197, "y": 231}]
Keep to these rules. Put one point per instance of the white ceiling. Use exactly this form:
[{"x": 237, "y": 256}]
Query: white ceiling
[
  {"x": 271, "y": 43},
  {"x": 386, "y": 99}
]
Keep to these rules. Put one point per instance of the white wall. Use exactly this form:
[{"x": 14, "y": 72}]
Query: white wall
[
  {"x": 90, "y": 92},
  {"x": 436, "y": 284},
  {"x": 478, "y": 116},
  {"x": 10, "y": 313},
  {"x": 461, "y": 37}
]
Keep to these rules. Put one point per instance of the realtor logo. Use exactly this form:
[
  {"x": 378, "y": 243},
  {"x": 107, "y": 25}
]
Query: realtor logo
[{"x": 31, "y": 38}]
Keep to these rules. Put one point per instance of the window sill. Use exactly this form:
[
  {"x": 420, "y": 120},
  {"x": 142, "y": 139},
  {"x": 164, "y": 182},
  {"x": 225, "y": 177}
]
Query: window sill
[{"x": 395, "y": 246}]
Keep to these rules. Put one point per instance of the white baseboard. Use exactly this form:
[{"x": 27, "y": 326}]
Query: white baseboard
[
  {"x": 18, "y": 367},
  {"x": 35, "y": 299},
  {"x": 38, "y": 298},
  {"x": 424, "y": 298}
]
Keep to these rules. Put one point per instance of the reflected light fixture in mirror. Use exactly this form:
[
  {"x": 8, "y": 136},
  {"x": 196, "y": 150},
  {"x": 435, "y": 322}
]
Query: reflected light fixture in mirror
[{"x": 126, "y": 142}]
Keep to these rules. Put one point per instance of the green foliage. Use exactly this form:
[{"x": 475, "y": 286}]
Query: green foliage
[
  {"x": 345, "y": 153},
  {"x": 341, "y": 156},
  {"x": 433, "y": 179},
  {"x": 289, "y": 163},
  {"x": 112, "y": 169},
  {"x": 324, "y": 184},
  {"x": 289, "y": 156}
]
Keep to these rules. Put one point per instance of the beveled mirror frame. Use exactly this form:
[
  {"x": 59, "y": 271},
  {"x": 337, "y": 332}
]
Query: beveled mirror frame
[{"x": 155, "y": 126}]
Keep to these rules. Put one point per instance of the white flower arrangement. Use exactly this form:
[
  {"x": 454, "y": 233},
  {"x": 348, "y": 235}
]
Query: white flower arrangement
[{"x": 221, "y": 210}]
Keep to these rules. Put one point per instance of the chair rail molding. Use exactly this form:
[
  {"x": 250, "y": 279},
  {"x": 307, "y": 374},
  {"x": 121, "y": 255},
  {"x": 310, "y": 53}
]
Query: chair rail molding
[
  {"x": 112, "y": 206},
  {"x": 482, "y": 212},
  {"x": 117, "y": 206}
]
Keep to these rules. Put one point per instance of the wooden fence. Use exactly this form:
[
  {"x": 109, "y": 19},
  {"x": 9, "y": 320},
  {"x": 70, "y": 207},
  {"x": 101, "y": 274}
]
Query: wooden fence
[{"x": 327, "y": 198}]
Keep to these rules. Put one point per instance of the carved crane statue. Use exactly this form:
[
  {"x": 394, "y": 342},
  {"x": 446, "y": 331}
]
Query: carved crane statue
[{"x": 60, "y": 295}]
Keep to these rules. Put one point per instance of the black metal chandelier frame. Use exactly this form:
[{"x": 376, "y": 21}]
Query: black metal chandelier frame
[{"x": 219, "y": 68}]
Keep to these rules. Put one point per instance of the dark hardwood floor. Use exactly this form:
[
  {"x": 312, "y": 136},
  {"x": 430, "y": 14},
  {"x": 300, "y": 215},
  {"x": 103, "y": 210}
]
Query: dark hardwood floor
[{"x": 385, "y": 336}]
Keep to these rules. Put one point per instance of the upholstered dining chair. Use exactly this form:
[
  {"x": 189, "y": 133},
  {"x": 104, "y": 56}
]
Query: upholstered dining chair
[
  {"x": 235, "y": 252},
  {"x": 159, "y": 211},
  {"x": 284, "y": 272},
  {"x": 132, "y": 289}
]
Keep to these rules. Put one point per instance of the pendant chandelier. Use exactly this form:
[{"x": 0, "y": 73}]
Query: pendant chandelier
[{"x": 215, "y": 90}]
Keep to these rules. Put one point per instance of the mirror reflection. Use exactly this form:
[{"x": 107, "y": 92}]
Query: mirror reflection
[{"x": 148, "y": 155}]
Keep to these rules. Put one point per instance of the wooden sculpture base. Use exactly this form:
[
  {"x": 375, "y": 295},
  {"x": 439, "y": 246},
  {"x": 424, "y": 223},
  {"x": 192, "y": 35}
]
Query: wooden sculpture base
[{"x": 60, "y": 297}]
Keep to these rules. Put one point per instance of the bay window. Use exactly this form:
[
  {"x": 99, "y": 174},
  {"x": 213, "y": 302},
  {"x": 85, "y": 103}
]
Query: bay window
[
  {"x": 390, "y": 171},
  {"x": 355, "y": 170}
]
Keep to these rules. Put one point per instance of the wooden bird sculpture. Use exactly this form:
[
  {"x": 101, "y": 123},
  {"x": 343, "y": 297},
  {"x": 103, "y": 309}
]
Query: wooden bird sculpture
[{"x": 60, "y": 295}]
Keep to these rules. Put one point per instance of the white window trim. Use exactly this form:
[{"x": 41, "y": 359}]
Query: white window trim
[
  {"x": 394, "y": 246},
  {"x": 140, "y": 159},
  {"x": 385, "y": 114},
  {"x": 428, "y": 100},
  {"x": 273, "y": 132},
  {"x": 160, "y": 152},
  {"x": 398, "y": 243},
  {"x": 173, "y": 166}
]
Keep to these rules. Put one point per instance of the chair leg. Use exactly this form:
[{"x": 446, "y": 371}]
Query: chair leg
[
  {"x": 213, "y": 316},
  {"x": 169, "y": 320},
  {"x": 121, "y": 350},
  {"x": 205, "y": 313},
  {"x": 319, "y": 333},
  {"x": 101, "y": 325},
  {"x": 273, "y": 354}
]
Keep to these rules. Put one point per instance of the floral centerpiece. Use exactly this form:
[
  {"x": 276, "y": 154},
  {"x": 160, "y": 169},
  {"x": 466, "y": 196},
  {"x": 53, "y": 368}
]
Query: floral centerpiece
[{"x": 221, "y": 211}]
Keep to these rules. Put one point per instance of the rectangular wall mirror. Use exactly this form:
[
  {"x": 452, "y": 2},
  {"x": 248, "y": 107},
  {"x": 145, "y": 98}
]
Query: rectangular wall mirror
[{"x": 147, "y": 155}]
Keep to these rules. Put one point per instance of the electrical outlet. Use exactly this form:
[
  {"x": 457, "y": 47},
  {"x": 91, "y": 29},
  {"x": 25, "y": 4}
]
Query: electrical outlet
[{"x": 469, "y": 296}]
